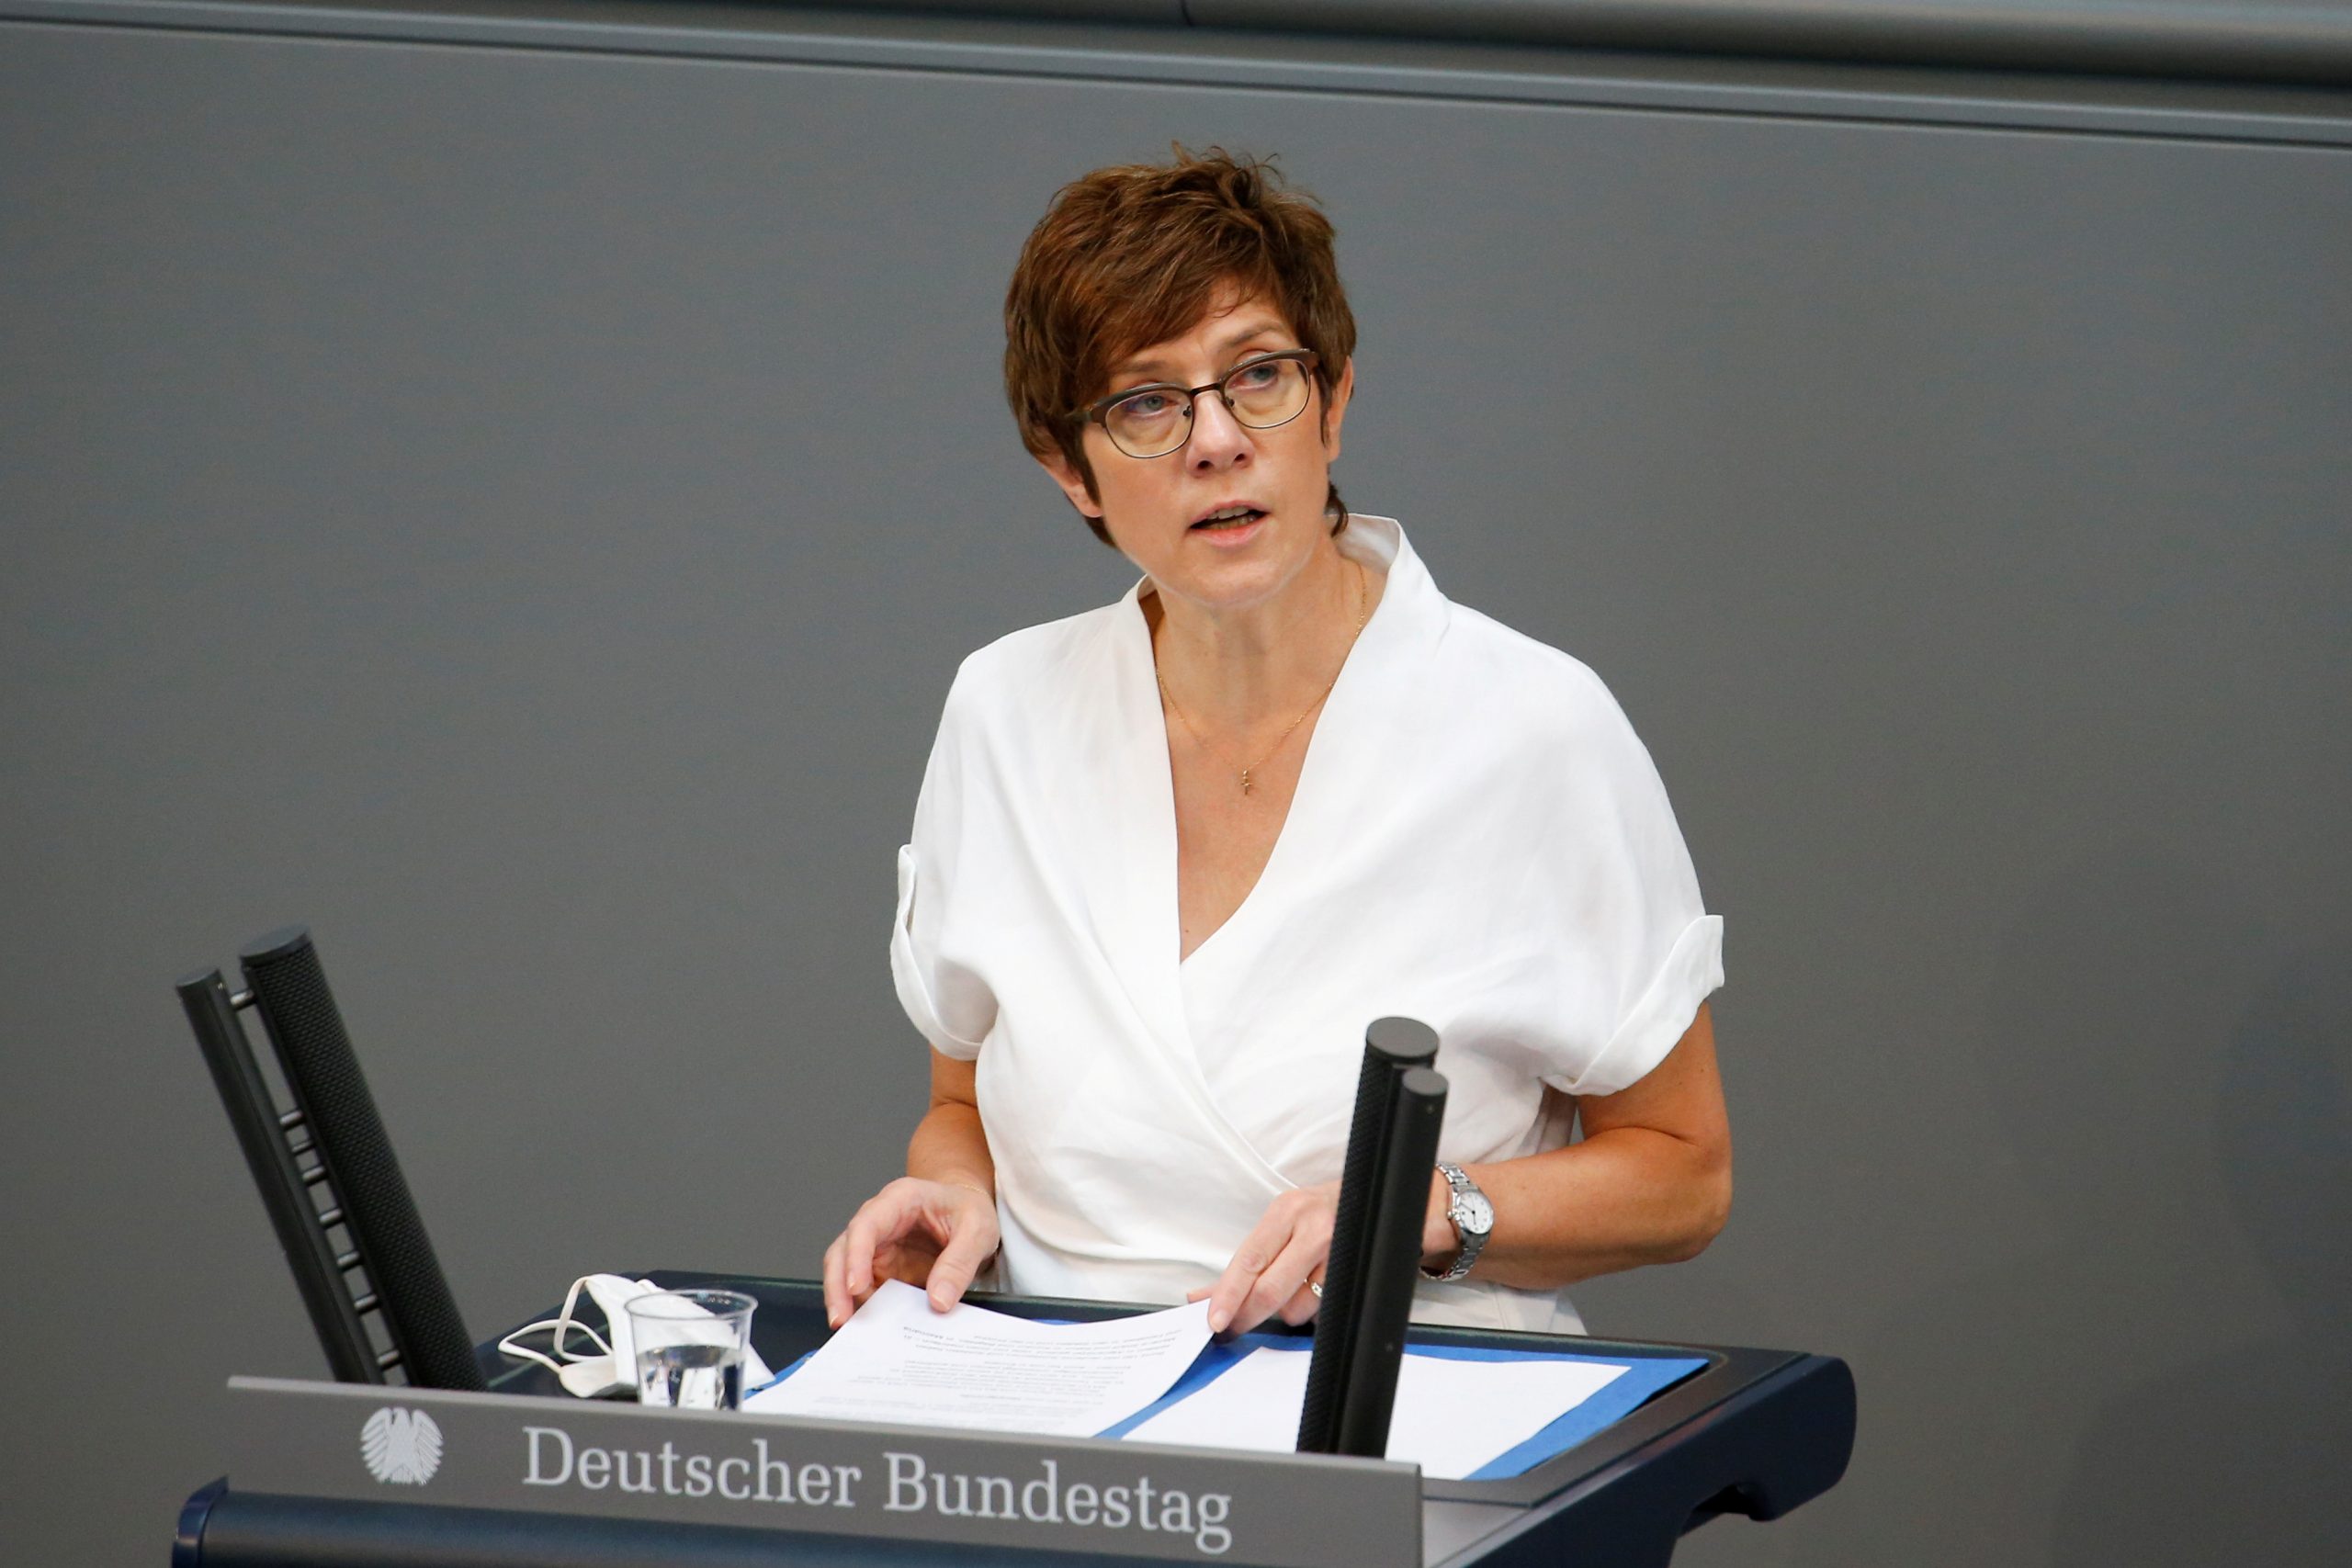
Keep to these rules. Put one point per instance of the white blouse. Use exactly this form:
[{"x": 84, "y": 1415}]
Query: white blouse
[{"x": 1477, "y": 839}]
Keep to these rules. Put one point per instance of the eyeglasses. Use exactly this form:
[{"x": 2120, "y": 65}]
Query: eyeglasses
[{"x": 1153, "y": 421}]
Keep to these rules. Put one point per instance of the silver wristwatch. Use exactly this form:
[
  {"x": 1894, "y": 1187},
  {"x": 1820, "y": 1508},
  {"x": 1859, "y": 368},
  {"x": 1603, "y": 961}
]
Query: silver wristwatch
[{"x": 1473, "y": 1218}]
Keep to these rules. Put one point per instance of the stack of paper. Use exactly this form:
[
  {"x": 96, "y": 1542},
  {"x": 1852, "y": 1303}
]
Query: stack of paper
[{"x": 898, "y": 1361}]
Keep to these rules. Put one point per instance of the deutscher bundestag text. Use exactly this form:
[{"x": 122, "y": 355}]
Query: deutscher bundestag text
[{"x": 911, "y": 1486}]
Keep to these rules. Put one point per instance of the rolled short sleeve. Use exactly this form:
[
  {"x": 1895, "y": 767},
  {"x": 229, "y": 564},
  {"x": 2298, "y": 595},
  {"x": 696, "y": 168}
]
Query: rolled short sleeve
[
  {"x": 1649, "y": 951},
  {"x": 947, "y": 1001},
  {"x": 1691, "y": 972}
]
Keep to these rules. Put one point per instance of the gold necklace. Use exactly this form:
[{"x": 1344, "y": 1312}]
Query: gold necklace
[{"x": 1363, "y": 614}]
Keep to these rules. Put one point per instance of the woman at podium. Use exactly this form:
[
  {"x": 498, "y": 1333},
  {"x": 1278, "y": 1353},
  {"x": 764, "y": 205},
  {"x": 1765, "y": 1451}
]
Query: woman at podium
[{"x": 1171, "y": 855}]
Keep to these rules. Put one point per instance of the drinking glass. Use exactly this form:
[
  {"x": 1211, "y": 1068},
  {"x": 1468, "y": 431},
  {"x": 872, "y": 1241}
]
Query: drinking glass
[{"x": 690, "y": 1347}]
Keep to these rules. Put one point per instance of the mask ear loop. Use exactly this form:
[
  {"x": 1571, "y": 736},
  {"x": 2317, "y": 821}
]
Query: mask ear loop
[{"x": 563, "y": 1323}]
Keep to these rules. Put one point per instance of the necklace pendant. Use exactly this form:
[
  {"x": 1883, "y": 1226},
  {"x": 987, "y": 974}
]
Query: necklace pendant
[{"x": 1245, "y": 781}]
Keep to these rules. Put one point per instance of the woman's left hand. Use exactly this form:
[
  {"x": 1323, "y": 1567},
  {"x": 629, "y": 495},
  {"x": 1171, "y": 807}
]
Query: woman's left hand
[{"x": 1270, "y": 1270}]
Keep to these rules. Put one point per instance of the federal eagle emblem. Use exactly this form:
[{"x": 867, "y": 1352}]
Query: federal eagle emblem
[{"x": 402, "y": 1446}]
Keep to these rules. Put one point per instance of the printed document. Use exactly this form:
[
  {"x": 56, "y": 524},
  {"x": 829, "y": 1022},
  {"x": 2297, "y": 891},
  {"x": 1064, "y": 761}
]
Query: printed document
[
  {"x": 1453, "y": 1418},
  {"x": 898, "y": 1360}
]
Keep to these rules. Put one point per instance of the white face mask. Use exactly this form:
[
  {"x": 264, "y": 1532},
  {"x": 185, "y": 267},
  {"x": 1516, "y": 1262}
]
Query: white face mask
[{"x": 612, "y": 1365}]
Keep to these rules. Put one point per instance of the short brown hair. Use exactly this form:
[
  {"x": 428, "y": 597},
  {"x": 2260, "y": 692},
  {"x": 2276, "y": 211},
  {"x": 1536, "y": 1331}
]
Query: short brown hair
[{"x": 1131, "y": 255}]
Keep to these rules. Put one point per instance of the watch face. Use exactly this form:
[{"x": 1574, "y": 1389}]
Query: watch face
[{"x": 1477, "y": 1215}]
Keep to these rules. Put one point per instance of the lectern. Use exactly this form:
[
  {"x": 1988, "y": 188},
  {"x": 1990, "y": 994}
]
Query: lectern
[
  {"x": 487, "y": 1463},
  {"x": 1754, "y": 1432}
]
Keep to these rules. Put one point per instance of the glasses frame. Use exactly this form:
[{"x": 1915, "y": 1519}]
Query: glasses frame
[{"x": 1099, "y": 410}]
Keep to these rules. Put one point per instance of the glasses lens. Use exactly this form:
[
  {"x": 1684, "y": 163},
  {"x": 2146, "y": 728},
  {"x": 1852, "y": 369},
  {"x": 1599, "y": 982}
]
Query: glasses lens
[
  {"x": 1269, "y": 392},
  {"x": 1150, "y": 424}
]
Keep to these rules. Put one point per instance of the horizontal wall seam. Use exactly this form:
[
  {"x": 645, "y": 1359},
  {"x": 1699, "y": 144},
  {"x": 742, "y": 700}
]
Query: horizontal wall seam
[
  {"x": 1223, "y": 62},
  {"x": 2235, "y": 39}
]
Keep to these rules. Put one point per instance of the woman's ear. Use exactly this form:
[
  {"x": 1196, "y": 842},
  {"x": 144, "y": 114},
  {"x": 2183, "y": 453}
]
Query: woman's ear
[
  {"x": 1074, "y": 484},
  {"x": 1335, "y": 410}
]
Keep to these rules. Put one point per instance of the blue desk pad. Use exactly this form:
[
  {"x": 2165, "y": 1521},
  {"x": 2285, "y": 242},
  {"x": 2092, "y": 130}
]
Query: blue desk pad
[{"x": 1648, "y": 1376}]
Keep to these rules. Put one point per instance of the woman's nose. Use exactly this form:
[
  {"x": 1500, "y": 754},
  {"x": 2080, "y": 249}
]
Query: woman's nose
[{"x": 1218, "y": 439}]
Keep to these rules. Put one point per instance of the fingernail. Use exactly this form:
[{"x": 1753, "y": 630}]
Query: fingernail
[{"x": 1218, "y": 1321}]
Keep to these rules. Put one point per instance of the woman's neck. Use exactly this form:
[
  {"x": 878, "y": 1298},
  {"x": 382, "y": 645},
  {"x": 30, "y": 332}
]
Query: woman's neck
[{"x": 1234, "y": 668}]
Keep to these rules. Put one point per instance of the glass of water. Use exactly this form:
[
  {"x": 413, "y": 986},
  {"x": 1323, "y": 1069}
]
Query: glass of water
[{"x": 690, "y": 1348}]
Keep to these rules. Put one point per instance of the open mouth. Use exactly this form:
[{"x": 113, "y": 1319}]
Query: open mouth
[{"x": 1228, "y": 517}]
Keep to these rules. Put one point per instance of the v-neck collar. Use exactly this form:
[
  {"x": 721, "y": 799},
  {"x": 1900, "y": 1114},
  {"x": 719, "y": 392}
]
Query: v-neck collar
[{"x": 1347, "y": 731}]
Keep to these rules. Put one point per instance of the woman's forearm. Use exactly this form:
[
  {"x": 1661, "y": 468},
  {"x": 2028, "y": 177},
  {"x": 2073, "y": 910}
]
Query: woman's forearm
[
  {"x": 1622, "y": 1198},
  {"x": 949, "y": 1145}
]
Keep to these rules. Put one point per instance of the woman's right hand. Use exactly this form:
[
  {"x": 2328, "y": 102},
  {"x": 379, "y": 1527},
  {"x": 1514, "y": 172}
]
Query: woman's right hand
[{"x": 937, "y": 1235}]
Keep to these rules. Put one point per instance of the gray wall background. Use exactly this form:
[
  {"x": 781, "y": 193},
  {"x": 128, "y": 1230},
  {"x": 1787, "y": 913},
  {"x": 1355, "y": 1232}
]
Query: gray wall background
[{"x": 518, "y": 512}]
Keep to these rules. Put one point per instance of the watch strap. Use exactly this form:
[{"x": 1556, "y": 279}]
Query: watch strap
[{"x": 1471, "y": 1243}]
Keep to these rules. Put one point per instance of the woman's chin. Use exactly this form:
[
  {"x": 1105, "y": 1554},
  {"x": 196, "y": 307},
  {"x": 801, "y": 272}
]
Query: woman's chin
[{"x": 1230, "y": 586}]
